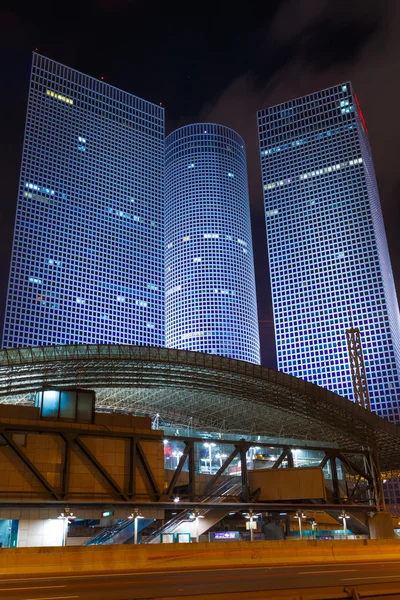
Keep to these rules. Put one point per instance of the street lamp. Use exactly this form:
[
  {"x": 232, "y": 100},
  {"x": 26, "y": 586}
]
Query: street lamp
[
  {"x": 314, "y": 526},
  {"x": 252, "y": 523},
  {"x": 196, "y": 516},
  {"x": 343, "y": 517},
  {"x": 67, "y": 516},
  {"x": 209, "y": 445},
  {"x": 135, "y": 516},
  {"x": 299, "y": 516},
  {"x": 177, "y": 454},
  {"x": 221, "y": 457}
]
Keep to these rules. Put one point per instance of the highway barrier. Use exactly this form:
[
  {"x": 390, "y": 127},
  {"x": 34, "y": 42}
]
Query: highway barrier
[{"x": 167, "y": 557}]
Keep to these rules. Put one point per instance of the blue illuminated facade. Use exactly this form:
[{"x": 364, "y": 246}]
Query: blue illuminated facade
[
  {"x": 327, "y": 246},
  {"x": 210, "y": 301},
  {"x": 88, "y": 253}
]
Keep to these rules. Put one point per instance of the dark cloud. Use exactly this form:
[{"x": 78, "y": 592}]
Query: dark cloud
[
  {"x": 311, "y": 45},
  {"x": 330, "y": 41}
]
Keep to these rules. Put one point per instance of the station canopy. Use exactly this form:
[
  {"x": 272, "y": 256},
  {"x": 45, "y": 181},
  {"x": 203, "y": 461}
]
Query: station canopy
[{"x": 210, "y": 392}]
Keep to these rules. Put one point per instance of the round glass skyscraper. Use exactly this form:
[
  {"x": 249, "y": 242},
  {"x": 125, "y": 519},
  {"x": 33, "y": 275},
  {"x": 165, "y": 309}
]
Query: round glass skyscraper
[{"x": 210, "y": 285}]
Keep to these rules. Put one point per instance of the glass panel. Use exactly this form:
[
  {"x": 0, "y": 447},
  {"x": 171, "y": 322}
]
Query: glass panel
[
  {"x": 173, "y": 451},
  {"x": 38, "y": 399},
  {"x": 5, "y": 533},
  {"x": 84, "y": 407},
  {"x": 307, "y": 458},
  {"x": 68, "y": 405},
  {"x": 50, "y": 404},
  {"x": 260, "y": 457}
]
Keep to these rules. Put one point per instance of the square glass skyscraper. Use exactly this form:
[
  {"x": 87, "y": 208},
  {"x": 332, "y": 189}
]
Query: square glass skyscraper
[
  {"x": 87, "y": 257},
  {"x": 328, "y": 255}
]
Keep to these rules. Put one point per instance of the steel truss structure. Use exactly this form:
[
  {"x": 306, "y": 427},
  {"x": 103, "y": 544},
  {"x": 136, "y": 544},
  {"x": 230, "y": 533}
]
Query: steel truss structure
[
  {"x": 357, "y": 366},
  {"x": 217, "y": 394},
  {"x": 361, "y": 477}
]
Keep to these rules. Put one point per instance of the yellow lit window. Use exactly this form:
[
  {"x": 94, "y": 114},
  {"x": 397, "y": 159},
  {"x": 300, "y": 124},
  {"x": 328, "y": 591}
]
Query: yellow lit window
[{"x": 59, "y": 97}]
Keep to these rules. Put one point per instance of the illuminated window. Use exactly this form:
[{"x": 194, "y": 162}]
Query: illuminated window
[{"x": 57, "y": 96}]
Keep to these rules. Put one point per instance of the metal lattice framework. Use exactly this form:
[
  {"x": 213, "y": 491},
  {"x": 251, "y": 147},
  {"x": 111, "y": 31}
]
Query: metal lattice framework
[
  {"x": 217, "y": 394},
  {"x": 357, "y": 366}
]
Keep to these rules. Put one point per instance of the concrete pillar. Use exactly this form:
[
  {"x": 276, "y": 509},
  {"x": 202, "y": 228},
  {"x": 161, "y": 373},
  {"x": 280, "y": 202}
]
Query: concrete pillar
[{"x": 381, "y": 526}]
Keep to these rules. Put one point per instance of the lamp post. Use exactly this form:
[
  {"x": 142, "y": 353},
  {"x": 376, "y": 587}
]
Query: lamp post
[
  {"x": 177, "y": 454},
  {"x": 221, "y": 457},
  {"x": 135, "y": 516},
  {"x": 299, "y": 516},
  {"x": 314, "y": 526},
  {"x": 252, "y": 519},
  {"x": 344, "y": 518},
  {"x": 209, "y": 446},
  {"x": 67, "y": 516}
]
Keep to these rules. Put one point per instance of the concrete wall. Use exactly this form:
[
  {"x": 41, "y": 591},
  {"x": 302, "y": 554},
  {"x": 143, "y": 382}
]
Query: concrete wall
[
  {"x": 103, "y": 559},
  {"x": 43, "y": 532}
]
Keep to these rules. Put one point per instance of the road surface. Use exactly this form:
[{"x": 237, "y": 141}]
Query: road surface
[{"x": 227, "y": 583}]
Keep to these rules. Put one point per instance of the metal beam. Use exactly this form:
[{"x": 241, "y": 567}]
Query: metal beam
[
  {"x": 106, "y": 433},
  {"x": 353, "y": 467},
  {"x": 132, "y": 468},
  {"x": 280, "y": 459},
  {"x": 353, "y": 491},
  {"x": 147, "y": 469},
  {"x": 178, "y": 470},
  {"x": 218, "y": 474},
  {"x": 243, "y": 472},
  {"x": 29, "y": 464},
  {"x": 373, "y": 462},
  {"x": 335, "y": 479},
  {"x": 111, "y": 482},
  {"x": 237, "y": 506},
  {"x": 192, "y": 471},
  {"x": 325, "y": 459},
  {"x": 66, "y": 472}
]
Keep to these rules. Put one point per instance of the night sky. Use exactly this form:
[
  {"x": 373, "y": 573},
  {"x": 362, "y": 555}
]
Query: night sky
[{"x": 218, "y": 62}]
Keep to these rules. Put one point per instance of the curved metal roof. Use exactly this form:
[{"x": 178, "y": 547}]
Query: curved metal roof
[{"x": 215, "y": 393}]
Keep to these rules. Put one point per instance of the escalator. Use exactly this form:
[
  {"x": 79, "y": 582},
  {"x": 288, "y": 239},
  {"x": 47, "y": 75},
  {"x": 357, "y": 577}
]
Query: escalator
[
  {"x": 226, "y": 490},
  {"x": 357, "y": 523},
  {"x": 121, "y": 533}
]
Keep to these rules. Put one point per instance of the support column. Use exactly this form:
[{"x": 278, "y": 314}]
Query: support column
[
  {"x": 245, "y": 483},
  {"x": 132, "y": 469},
  {"x": 376, "y": 479},
  {"x": 192, "y": 472},
  {"x": 335, "y": 480}
]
